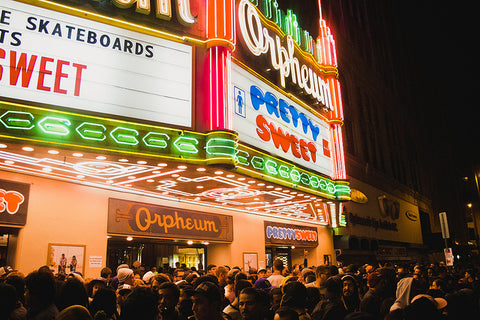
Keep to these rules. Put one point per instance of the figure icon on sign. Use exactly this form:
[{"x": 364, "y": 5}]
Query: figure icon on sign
[{"x": 240, "y": 108}]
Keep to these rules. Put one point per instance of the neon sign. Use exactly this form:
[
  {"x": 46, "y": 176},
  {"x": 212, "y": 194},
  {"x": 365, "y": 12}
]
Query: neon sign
[
  {"x": 259, "y": 41},
  {"x": 69, "y": 129},
  {"x": 255, "y": 163}
]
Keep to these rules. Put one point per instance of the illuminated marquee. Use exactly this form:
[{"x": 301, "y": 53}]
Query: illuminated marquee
[
  {"x": 57, "y": 59},
  {"x": 270, "y": 120},
  {"x": 255, "y": 163},
  {"x": 74, "y": 130}
]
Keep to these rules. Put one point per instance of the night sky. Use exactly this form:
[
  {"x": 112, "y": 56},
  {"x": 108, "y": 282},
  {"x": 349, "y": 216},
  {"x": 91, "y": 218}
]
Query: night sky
[{"x": 442, "y": 37}]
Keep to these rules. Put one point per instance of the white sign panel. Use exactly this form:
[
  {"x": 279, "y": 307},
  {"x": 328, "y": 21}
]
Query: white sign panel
[
  {"x": 54, "y": 58},
  {"x": 270, "y": 121}
]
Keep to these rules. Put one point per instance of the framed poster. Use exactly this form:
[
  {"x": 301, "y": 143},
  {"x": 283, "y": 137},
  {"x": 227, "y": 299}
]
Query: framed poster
[
  {"x": 66, "y": 258},
  {"x": 250, "y": 261}
]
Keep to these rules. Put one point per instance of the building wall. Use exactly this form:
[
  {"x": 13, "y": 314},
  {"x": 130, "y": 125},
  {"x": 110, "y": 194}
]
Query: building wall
[{"x": 69, "y": 213}]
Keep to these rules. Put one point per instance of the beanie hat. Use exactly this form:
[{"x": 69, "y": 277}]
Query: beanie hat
[
  {"x": 123, "y": 274},
  {"x": 147, "y": 276},
  {"x": 124, "y": 265}
]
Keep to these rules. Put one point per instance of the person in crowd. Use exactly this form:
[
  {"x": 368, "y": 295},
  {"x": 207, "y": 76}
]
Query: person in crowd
[
  {"x": 307, "y": 276},
  {"x": 322, "y": 273},
  {"x": 262, "y": 273},
  {"x": 250, "y": 304},
  {"x": 73, "y": 292},
  {"x": 230, "y": 287},
  {"x": 168, "y": 296},
  {"x": 277, "y": 277},
  {"x": 221, "y": 274},
  {"x": 295, "y": 297},
  {"x": 211, "y": 269},
  {"x": 40, "y": 296},
  {"x": 140, "y": 304},
  {"x": 331, "y": 307},
  {"x": 94, "y": 285},
  {"x": 75, "y": 312},
  {"x": 425, "y": 307},
  {"x": 285, "y": 313},
  {"x": 233, "y": 310},
  {"x": 373, "y": 298},
  {"x": 114, "y": 280},
  {"x": 275, "y": 295},
  {"x": 104, "y": 305},
  {"x": 313, "y": 298},
  {"x": 106, "y": 275},
  {"x": 350, "y": 295},
  {"x": 125, "y": 277},
  {"x": 207, "y": 301},
  {"x": 185, "y": 301},
  {"x": 438, "y": 288},
  {"x": 178, "y": 275},
  {"x": 9, "y": 303}
]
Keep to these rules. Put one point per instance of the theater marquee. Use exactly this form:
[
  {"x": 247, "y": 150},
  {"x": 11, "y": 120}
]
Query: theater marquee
[{"x": 53, "y": 58}]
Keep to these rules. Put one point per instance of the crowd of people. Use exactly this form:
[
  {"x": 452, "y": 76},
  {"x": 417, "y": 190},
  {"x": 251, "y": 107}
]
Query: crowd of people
[{"x": 384, "y": 292}]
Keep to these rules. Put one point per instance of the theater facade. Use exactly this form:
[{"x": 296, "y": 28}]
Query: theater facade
[{"x": 191, "y": 131}]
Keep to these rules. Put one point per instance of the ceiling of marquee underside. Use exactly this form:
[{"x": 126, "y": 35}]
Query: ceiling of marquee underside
[{"x": 167, "y": 179}]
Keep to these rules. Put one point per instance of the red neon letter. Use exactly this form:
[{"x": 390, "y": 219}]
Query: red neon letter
[
  {"x": 59, "y": 75},
  {"x": 42, "y": 72},
  {"x": 15, "y": 69},
  {"x": 78, "y": 77}
]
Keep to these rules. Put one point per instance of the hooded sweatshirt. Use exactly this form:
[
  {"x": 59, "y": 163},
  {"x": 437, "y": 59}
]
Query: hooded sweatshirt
[{"x": 403, "y": 293}]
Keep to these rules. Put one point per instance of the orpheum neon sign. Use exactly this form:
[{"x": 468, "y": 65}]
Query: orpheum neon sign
[{"x": 259, "y": 41}]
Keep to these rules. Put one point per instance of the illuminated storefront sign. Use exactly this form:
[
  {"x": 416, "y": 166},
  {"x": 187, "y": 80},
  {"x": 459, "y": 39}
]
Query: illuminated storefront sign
[
  {"x": 52, "y": 58},
  {"x": 134, "y": 218},
  {"x": 283, "y": 58},
  {"x": 287, "y": 234},
  {"x": 74, "y": 130},
  {"x": 13, "y": 202},
  {"x": 267, "y": 119}
]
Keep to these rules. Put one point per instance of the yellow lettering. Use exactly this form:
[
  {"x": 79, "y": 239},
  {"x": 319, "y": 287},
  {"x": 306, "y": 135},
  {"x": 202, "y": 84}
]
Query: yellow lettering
[
  {"x": 189, "y": 224},
  {"x": 168, "y": 224},
  {"x": 179, "y": 220},
  {"x": 210, "y": 226},
  {"x": 147, "y": 220},
  {"x": 199, "y": 225}
]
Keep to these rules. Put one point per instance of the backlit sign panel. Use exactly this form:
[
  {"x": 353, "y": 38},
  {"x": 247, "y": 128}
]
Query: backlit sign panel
[
  {"x": 269, "y": 120},
  {"x": 52, "y": 58},
  {"x": 13, "y": 202}
]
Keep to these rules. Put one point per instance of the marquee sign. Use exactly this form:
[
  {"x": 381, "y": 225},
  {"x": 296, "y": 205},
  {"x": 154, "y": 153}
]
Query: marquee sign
[
  {"x": 52, "y": 58},
  {"x": 143, "y": 219},
  {"x": 287, "y": 234},
  {"x": 13, "y": 202},
  {"x": 62, "y": 128},
  {"x": 267, "y": 119}
]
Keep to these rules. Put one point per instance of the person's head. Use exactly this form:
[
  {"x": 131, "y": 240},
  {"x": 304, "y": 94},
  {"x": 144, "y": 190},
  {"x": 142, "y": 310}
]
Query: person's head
[
  {"x": 106, "y": 273},
  {"x": 221, "y": 274},
  {"x": 141, "y": 303},
  {"x": 125, "y": 276},
  {"x": 294, "y": 295},
  {"x": 278, "y": 265},
  {"x": 249, "y": 304},
  {"x": 73, "y": 292},
  {"x": 178, "y": 274},
  {"x": 262, "y": 273},
  {"x": 104, "y": 300},
  {"x": 322, "y": 273},
  {"x": 349, "y": 286},
  {"x": 276, "y": 297},
  {"x": 211, "y": 269},
  {"x": 168, "y": 295},
  {"x": 285, "y": 313},
  {"x": 17, "y": 280},
  {"x": 95, "y": 285},
  {"x": 206, "y": 301},
  {"x": 8, "y": 300},
  {"x": 40, "y": 289},
  {"x": 75, "y": 312}
]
